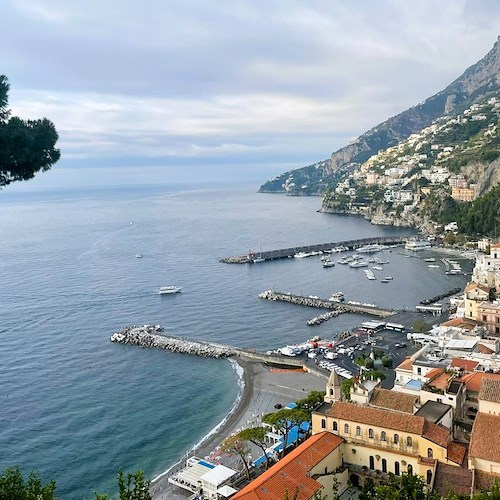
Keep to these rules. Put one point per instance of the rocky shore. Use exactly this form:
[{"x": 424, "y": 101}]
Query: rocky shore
[{"x": 151, "y": 336}]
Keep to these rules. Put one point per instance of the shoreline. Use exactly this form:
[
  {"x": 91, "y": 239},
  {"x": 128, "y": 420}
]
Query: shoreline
[{"x": 260, "y": 389}]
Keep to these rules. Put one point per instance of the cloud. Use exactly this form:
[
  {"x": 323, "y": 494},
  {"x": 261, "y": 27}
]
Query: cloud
[{"x": 188, "y": 80}]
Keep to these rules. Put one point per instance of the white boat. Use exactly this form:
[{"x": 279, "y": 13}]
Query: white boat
[
  {"x": 384, "y": 281},
  {"x": 378, "y": 268},
  {"x": 337, "y": 297},
  {"x": 165, "y": 290},
  {"x": 370, "y": 275},
  {"x": 139, "y": 256},
  {"x": 417, "y": 245},
  {"x": 389, "y": 278},
  {"x": 433, "y": 266},
  {"x": 328, "y": 263},
  {"x": 358, "y": 263},
  {"x": 370, "y": 248},
  {"x": 430, "y": 259},
  {"x": 256, "y": 260}
]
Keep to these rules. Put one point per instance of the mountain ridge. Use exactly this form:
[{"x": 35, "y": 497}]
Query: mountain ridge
[{"x": 478, "y": 80}]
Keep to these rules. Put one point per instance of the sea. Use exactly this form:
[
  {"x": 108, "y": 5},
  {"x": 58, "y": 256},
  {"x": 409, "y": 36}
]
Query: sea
[{"x": 76, "y": 407}]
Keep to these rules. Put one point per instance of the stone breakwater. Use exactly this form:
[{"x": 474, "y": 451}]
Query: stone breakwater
[
  {"x": 152, "y": 336},
  {"x": 326, "y": 316}
]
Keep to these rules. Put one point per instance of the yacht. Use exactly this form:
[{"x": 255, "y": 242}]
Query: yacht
[
  {"x": 417, "y": 245},
  {"x": 139, "y": 256},
  {"x": 165, "y": 290},
  {"x": 370, "y": 248},
  {"x": 388, "y": 278},
  {"x": 358, "y": 263},
  {"x": 430, "y": 259},
  {"x": 328, "y": 263},
  {"x": 378, "y": 268},
  {"x": 370, "y": 275}
]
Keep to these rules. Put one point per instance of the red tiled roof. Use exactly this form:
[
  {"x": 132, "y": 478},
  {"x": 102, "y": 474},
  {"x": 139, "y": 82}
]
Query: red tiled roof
[
  {"x": 484, "y": 349},
  {"x": 473, "y": 381},
  {"x": 393, "y": 400},
  {"x": 464, "y": 323},
  {"x": 440, "y": 381},
  {"x": 465, "y": 364},
  {"x": 407, "y": 364},
  {"x": 434, "y": 373},
  {"x": 457, "y": 452},
  {"x": 482, "y": 443},
  {"x": 438, "y": 434},
  {"x": 473, "y": 286},
  {"x": 291, "y": 472},
  {"x": 377, "y": 417}
]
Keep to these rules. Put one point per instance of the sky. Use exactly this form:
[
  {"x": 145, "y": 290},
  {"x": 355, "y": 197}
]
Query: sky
[{"x": 174, "y": 90}]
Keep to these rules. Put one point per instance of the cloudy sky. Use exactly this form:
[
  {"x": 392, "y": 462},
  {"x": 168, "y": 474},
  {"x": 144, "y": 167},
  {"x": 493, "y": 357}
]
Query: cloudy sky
[{"x": 177, "y": 89}]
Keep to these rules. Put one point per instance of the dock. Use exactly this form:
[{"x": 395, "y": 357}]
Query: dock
[
  {"x": 317, "y": 302},
  {"x": 321, "y": 247}
]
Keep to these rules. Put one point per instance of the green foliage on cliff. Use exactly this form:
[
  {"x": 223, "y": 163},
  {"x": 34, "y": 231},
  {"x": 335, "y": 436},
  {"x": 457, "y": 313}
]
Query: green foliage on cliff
[
  {"x": 26, "y": 146},
  {"x": 479, "y": 217}
]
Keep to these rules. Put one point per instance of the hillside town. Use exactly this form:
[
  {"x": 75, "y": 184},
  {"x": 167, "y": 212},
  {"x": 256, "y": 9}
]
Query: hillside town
[{"x": 392, "y": 186}]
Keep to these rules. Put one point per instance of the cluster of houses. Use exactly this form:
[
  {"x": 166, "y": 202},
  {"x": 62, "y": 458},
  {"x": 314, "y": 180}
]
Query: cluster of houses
[
  {"x": 441, "y": 420},
  {"x": 421, "y": 160}
]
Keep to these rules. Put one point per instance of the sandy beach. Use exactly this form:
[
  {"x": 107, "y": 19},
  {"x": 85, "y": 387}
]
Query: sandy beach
[{"x": 263, "y": 389}]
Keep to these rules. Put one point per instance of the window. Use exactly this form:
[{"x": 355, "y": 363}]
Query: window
[
  {"x": 497, "y": 320},
  {"x": 410, "y": 470},
  {"x": 323, "y": 423},
  {"x": 396, "y": 439},
  {"x": 409, "y": 441},
  {"x": 396, "y": 468},
  {"x": 370, "y": 433},
  {"x": 429, "y": 453},
  {"x": 372, "y": 462},
  {"x": 484, "y": 317},
  {"x": 497, "y": 330},
  {"x": 383, "y": 436},
  {"x": 358, "y": 430},
  {"x": 384, "y": 465},
  {"x": 429, "y": 477},
  {"x": 346, "y": 429},
  {"x": 331, "y": 392},
  {"x": 419, "y": 371},
  {"x": 439, "y": 400},
  {"x": 335, "y": 426}
]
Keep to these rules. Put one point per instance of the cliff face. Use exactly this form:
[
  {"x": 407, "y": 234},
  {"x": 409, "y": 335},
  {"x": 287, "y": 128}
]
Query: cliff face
[{"x": 478, "y": 80}]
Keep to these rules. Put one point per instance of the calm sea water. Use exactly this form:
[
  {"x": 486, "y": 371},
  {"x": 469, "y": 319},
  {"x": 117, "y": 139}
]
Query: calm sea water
[{"x": 76, "y": 407}]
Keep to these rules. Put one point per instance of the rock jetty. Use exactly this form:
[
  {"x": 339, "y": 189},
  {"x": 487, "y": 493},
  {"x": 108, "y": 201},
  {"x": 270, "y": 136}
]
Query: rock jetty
[
  {"x": 152, "y": 336},
  {"x": 326, "y": 316}
]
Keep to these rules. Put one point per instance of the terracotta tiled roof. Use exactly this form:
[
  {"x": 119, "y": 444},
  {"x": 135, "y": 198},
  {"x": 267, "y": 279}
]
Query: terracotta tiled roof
[
  {"x": 457, "y": 452},
  {"x": 484, "y": 349},
  {"x": 440, "y": 381},
  {"x": 434, "y": 373},
  {"x": 393, "y": 400},
  {"x": 495, "y": 245},
  {"x": 473, "y": 286},
  {"x": 473, "y": 381},
  {"x": 377, "y": 417},
  {"x": 438, "y": 434},
  {"x": 451, "y": 478},
  {"x": 464, "y": 323},
  {"x": 490, "y": 390},
  {"x": 291, "y": 472},
  {"x": 407, "y": 364},
  {"x": 481, "y": 443},
  {"x": 465, "y": 364}
]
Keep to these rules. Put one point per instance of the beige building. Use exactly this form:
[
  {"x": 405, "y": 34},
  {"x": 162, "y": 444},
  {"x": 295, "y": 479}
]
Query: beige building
[
  {"x": 474, "y": 295},
  {"x": 462, "y": 194},
  {"x": 489, "y": 314}
]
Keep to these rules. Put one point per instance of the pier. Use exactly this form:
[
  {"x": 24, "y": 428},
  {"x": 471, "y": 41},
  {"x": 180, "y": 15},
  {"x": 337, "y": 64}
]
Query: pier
[
  {"x": 152, "y": 336},
  {"x": 322, "y": 247},
  {"x": 327, "y": 304}
]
